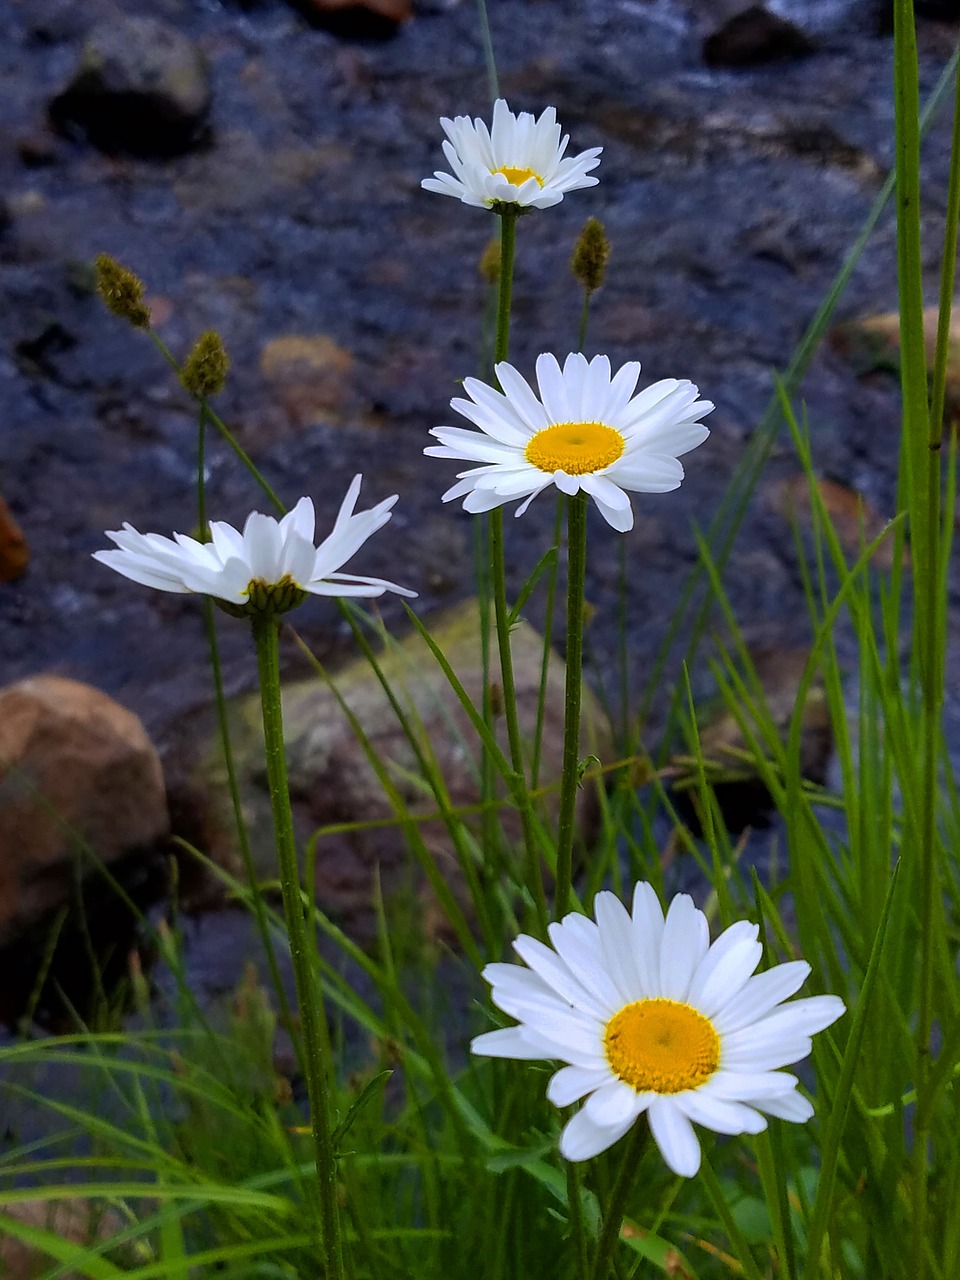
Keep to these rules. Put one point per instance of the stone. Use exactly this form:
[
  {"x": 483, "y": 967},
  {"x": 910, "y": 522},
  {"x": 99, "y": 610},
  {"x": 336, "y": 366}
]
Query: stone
[
  {"x": 332, "y": 782},
  {"x": 140, "y": 87},
  {"x": 872, "y": 343},
  {"x": 311, "y": 376},
  {"x": 854, "y": 519},
  {"x": 77, "y": 1220},
  {"x": 755, "y": 35},
  {"x": 357, "y": 19},
  {"x": 76, "y": 769},
  {"x": 14, "y": 552},
  {"x": 743, "y": 797}
]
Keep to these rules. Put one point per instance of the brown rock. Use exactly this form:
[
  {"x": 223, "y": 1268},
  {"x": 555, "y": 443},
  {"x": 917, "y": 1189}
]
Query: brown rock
[
  {"x": 741, "y": 794},
  {"x": 79, "y": 1221},
  {"x": 359, "y": 19},
  {"x": 77, "y": 772},
  {"x": 333, "y": 783},
  {"x": 752, "y": 36},
  {"x": 854, "y": 519},
  {"x": 14, "y": 552},
  {"x": 311, "y": 374},
  {"x": 873, "y": 342}
]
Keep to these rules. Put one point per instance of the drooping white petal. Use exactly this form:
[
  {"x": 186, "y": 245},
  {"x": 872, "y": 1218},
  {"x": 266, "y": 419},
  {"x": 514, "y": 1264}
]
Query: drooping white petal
[
  {"x": 582, "y": 1139},
  {"x": 674, "y": 1135}
]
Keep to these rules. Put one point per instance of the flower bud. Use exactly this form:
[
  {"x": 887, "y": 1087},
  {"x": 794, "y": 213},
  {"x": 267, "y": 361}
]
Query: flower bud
[
  {"x": 205, "y": 368},
  {"x": 591, "y": 255},
  {"x": 122, "y": 291},
  {"x": 489, "y": 264}
]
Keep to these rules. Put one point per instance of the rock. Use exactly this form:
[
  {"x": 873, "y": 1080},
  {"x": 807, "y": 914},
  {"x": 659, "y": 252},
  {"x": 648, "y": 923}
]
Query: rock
[
  {"x": 357, "y": 19},
  {"x": 14, "y": 552},
  {"x": 872, "y": 343},
  {"x": 140, "y": 87},
  {"x": 77, "y": 772},
  {"x": 854, "y": 519},
  {"x": 80, "y": 1221},
  {"x": 332, "y": 782},
  {"x": 743, "y": 798},
  {"x": 755, "y": 35},
  {"x": 311, "y": 376}
]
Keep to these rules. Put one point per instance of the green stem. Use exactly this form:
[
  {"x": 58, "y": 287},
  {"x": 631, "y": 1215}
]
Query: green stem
[
  {"x": 613, "y": 1216},
  {"x": 517, "y": 781},
  {"x": 263, "y": 927},
  {"x": 309, "y": 1000},
  {"x": 584, "y": 320},
  {"x": 508, "y": 245},
  {"x": 498, "y": 576},
  {"x": 570, "y": 779}
]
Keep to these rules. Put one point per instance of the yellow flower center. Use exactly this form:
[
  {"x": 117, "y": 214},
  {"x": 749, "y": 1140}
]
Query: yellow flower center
[
  {"x": 578, "y": 448},
  {"x": 518, "y": 176},
  {"x": 661, "y": 1046}
]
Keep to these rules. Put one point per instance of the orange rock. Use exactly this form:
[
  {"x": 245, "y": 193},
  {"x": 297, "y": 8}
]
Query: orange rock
[
  {"x": 14, "y": 552},
  {"x": 78, "y": 775}
]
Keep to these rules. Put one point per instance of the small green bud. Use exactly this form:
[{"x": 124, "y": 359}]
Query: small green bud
[
  {"x": 205, "y": 368},
  {"x": 122, "y": 291},
  {"x": 591, "y": 255},
  {"x": 489, "y": 264}
]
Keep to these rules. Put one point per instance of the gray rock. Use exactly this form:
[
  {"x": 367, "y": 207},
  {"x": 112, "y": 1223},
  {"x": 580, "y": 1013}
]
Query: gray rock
[
  {"x": 332, "y": 782},
  {"x": 140, "y": 87}
]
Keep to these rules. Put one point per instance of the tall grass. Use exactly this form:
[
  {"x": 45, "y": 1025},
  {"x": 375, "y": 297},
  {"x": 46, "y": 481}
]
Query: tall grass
[{"x": 194, "y": 1153}]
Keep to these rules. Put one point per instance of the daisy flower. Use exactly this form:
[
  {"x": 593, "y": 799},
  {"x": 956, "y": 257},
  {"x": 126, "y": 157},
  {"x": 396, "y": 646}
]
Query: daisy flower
[
  {"x": 519, "y": 161},
  {"x": 270, "y": 565},
  {"x": 651, "y": 1018},
  {"x": 587, "y": 432}
]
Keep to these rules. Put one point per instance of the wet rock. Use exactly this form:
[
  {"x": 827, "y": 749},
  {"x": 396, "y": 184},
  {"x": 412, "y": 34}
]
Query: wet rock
[
  {"x": 79, "y": 781},
  {"x": 743, "y": 797},
  {"x": 14, "y": 552},
  {"x": 357, "y": 19},
  {"x": 79, "y": 1221},
  {"x": 332, "y": 781},
  {"x": 872, "y": 343},
  {"x": 753, "y": 36},
  {"x": 140, "y": 87}
]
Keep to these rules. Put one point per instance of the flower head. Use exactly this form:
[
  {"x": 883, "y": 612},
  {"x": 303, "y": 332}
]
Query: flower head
[
  {"x": 587, "y": 431},
  {"x": 651, "y": 1018},
  {"x": 519, "y": 161},
  {"x": 271, "y": 566}
]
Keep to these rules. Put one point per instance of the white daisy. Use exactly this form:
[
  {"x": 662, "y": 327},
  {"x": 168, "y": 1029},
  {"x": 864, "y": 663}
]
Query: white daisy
[
  {"x": 519, "y": 161},
  {"x": 651, "y": 1018},
  {"x": 272, "y": 564},
  {"x": 587, "y": 431}
]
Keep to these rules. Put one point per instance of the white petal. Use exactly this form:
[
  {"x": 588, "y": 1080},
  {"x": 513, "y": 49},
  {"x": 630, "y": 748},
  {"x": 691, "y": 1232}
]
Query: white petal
[
  {"x": 616, "y": 1103},
  {"x": 674, "y": 1135},
  {"x": 570, "y": 1084},
  {"x": 726, "y": 967},
  {"x": 721, "y": 1117},
  {"x": 557, "y": 975},
  {"x": 582, "y": 1139},
  {"x": 647, "y": 936},
  {"x": 759, "y": 995},
  {"x": 507, "y": 1043},
  {"x": 616, "y": 945},
  {"x": 686, "y": 937}
]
